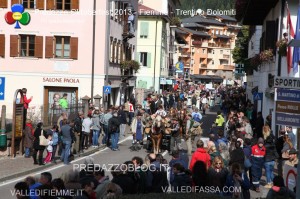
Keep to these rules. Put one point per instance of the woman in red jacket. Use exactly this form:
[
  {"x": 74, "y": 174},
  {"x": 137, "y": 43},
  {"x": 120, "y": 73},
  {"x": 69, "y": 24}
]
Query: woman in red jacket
[{"x": 26, "y": 102}]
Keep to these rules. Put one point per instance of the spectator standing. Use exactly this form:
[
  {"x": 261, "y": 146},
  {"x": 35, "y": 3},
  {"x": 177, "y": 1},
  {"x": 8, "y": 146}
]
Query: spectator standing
[
  {"x": 56, "y": 139},
  {"x": 279, "y": 190},
  {"x": 271, "y": 155},
  {"x": 86, "y": 129},
  {"x": 114, "y": 130},
  {"x": 36, "y": 144},
  {"x": 217, "y": 174},
  {"x": 105, "y": 119},
  {"x": 123, "y": 121},
  {"x": 26, "y": 102},
  {"x": 259, "y": 123},
  {"x": 49, "y": 150},
  {"x": 291, "y": 135},
  {"x": 63, "y": 102},
  {"x": 293, "y": 159},
  {"x": 200, "y": 155},
  {"x": 258, "y": 154},
  {"x": 29, "y": 138},
  {"x": 78, "y": 132},
  {"x": 279, "y": 146},
  {"x": 96, "y": 127},
  {"x": 67, "y": 141},
  {"x": 181, "y": 179}
]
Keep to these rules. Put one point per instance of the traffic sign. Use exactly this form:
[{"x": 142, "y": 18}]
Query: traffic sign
[
  {"x": 288, "y": 107},
  {"x": 257, "y": 96},
  {"x": 2, "y": 88},
  {"x": 288, "y": 95},
  {"x": 287, "y": 119},
  {"x": 107, "y": 89}
]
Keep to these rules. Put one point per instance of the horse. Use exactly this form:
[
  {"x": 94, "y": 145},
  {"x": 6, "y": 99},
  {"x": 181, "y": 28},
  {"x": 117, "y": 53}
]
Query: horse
[
  {"x": 157, "y": 133},
  {"x": 173, "y": 113},
  {"x": 182, "y": 120}
]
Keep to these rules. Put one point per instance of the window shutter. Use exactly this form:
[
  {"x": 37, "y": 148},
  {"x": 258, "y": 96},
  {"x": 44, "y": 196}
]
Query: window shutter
[
  {"x": 144, "y": 29},
  {"x": 138, "y": 57},
  {"x": 3, "y": 3},
  {"x": 2, "y": 45},
  {"x": 50, "y": 5},
  {"x": 74, "y": 48},
  {"x": 75, "y": 5},
  {"x": 14, "y": 2},
  {"x": 40, "y": 4},
  {"x": 149, "y": 60},
  {"x": 14, "y": 47},
  {"x": 270, "y": 32},
  {"x": 49, "y": 47},
  {"x": 38, "y": 47}
]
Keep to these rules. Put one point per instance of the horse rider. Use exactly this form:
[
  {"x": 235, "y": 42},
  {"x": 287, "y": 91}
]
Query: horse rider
[{"x": 161, "y": 111}]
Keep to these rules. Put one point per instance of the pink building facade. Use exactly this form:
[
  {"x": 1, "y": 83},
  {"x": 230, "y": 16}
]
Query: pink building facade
[{"x": 52, "y": 55}]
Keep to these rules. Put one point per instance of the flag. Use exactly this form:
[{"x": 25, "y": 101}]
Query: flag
[
  {"x": 296, "y": 54},
  {"x": 291, "y": 35}
]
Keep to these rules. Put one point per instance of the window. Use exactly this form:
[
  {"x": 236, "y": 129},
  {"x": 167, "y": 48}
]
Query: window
[
  {"x": 144, "y": 31},
  {"x": 203, "y": 50},
  {"x": 3, "y": 4},
  {"x": 27, "y": 45},
  {"x": 213, "y": 51},
  {"x": 221, "y": 51},
  {"x": 143, "y": 58},
  {"x": 217, "y": 32},
  {"x": 63, "y": 4},
  {"x": 28, "y": 4},
  {"x": 213, "y": 62},
  {"x": 62, "y": 47}
]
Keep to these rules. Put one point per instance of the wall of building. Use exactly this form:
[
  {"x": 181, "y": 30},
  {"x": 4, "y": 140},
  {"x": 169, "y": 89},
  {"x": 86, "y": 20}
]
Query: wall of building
[{"x": 36, "y": 73}]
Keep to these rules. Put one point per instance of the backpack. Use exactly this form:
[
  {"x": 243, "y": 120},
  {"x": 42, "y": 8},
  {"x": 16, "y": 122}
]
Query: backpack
[{"x": 196, "y": 118}]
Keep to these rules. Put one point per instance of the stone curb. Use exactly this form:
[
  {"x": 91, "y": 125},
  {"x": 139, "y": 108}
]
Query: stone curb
[{"x": 16, "y": 175}]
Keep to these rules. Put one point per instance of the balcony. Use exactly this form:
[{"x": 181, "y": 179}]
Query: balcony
[
  {"x": 218, "y": 45},
  {"x": 187, "y": 55},
  {"x": 226, "y": 67},
  {"x": 203, "y": 65},
  {"x": 197, "y": 43}
]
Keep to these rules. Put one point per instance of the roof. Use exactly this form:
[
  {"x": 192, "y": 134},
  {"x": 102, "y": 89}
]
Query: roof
[
  {"x": 192, "y": 25},
  {"x": 178, "y": 31},
  {"x": 202, "y": 20},
  {"x": 227, "y": 18},
  {"x": 194, "y": 32}
]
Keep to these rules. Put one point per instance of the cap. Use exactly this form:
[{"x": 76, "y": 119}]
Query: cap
[
  {"x": 260, "y": 141},
  {"x": 293, "y": 151}
]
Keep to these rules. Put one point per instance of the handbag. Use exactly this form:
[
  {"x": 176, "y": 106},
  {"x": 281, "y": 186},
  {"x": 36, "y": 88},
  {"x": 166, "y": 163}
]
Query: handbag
[
  {"x": 285, "y": 155},
  {"x": 247, "y": 163},
  {"x": 43, "y": 140}
]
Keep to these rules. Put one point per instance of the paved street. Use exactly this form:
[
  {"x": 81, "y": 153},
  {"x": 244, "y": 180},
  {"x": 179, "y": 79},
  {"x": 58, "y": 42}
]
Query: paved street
[{"x": 103, "y": 157}]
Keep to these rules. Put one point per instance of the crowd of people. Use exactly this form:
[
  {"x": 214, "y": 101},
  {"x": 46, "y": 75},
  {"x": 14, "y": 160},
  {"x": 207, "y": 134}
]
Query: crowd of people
[{"x": 241, "y": 145}]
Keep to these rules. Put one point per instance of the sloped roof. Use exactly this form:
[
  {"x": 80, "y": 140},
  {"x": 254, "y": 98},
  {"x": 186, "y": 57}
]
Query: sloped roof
[
  {"x": 194, "y": 32},
  {"x": 226, "y": 17},
  {"x": 192, "y": 25},
  {"x": 146, "y": 11},
  {"x": 202, "y": 20},
  {"x": 223, "y": 36},
  {"x": 179, "y": 31}
]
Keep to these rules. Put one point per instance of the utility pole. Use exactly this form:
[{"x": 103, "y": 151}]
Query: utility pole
[{"x": 105, "y": 96}]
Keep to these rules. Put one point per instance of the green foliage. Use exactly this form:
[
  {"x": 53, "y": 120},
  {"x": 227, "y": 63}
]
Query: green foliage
[
  {"x": 175, "y": 21},
  {"x": 240, "y": 52},
  {"x": 128, "y": 64}
]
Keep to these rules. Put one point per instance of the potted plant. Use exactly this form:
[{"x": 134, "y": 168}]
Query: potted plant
[
  {"x": 255, "y": 61},
  {"x": 282, "y": 45},
  {"x": 130, "y": 64},
  {"x": 266, "y": 56}
]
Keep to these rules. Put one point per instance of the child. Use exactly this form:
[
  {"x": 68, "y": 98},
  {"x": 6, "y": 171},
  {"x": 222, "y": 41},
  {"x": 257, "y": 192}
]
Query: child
[{"x": 49, "y": 150}]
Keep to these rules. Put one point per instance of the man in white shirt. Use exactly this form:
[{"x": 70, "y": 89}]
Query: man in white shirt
[{"x": 204, "y": 104}]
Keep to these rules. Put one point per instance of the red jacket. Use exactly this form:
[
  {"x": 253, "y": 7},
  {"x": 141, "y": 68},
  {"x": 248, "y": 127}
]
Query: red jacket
[
  {"x": 26, "y": 101},
  {"x": 258, "y": 152},
  {"x": 200, "y": 155}
]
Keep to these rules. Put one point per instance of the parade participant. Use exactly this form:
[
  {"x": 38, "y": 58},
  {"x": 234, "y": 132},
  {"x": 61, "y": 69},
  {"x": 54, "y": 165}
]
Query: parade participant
[
  {"x": 196, "y": 115},
  {"x": 219, "y": 120},
  {"x": 161, "y": 111},
  {"x": 26, "y": 105},
  {"x": 258, "y": 154},
  {"x": 137, "y": 129},
  {"x": 204, "y": 104},
  {"x": 175, "y": 135}
]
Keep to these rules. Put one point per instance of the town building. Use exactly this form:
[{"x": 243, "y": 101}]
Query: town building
[
  {"x": 53, "y": 54},
  {"x": 155, "y": 44},
  {"x": 270, "y": 19},
  {"x": 210, "y": 42}
]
